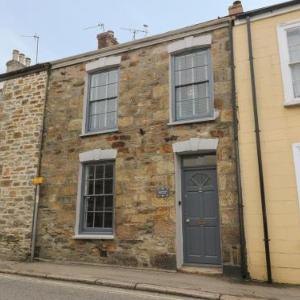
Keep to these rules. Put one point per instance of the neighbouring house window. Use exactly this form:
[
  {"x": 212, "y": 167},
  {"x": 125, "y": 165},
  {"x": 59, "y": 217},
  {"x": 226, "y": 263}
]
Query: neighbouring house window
[
  {"x": 192, "y": 85},
  {"x": 97, "y": 208},
  {"x": 289, "y": 45},
  {"x": 102, "y": 100}
]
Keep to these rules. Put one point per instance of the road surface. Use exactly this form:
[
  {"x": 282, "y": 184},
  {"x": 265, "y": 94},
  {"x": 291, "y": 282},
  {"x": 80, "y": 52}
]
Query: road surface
[{"x": 25, "y": 288}]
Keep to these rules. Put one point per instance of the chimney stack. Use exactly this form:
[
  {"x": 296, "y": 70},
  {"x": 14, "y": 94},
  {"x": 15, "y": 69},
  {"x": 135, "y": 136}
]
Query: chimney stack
[
  {"x": 106, "y": 39},
  {"x": 18, "y": 61},
  {"x": 236, "y": 8}
]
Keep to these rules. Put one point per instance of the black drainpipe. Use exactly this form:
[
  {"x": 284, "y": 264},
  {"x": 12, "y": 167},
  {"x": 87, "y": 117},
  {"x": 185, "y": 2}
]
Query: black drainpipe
[
  {"x": 259, "y": 159},
  {"x": 244, "y": 267}
]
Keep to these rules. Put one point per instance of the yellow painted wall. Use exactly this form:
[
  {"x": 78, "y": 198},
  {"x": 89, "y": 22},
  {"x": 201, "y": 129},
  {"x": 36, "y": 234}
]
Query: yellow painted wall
[{"x": 280, "y": 128}]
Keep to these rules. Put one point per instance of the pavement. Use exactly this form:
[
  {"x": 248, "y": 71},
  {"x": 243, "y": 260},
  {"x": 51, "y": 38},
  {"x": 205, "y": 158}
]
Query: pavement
[{"x": 155, "y": 281}]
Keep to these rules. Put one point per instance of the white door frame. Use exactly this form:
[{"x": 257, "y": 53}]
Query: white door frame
[{"x": 191, "y": 146}]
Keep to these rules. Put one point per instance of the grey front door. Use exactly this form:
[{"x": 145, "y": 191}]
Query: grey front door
[{"x": 200, "y": 211}]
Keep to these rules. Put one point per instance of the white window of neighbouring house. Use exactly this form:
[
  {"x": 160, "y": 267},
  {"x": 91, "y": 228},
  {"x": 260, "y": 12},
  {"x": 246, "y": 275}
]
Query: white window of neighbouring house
[
  {"x": 192, "y": 96},
  {"x": 97, "y": 199},
  {"x": 289, "y": 46},
  {"x": 102, "y": 100}
]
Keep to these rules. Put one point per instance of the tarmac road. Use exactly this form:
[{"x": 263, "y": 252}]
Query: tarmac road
[{"x": 25, "y": 288}]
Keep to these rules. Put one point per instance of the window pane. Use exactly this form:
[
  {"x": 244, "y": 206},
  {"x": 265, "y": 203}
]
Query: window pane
[
  {"x": 109, "y": 171},
  {"x": 108, "y": 203},
  {"x": 111, "y": 105},
  {"x": 113, "y": 76},
  {"x": 97, "y": 122},
  {"x": 98, "y": 187},
  {"x": 111, "y": 120},
  {"x": 185, "y": 93},
  {"x": 98, "y": 220},
  {"x": 90, "y": 172},
  {"x": 108, "y": 188},
  {"x": 200, "y": 74},
  {"x": 200, "y": 160},
  {"x": 293, "y": 36},
  {"x": 185, "y": 109},
  {"x": 296, "y": 79},
  {"x": 99, "y": 79},
  {"x": 89, "y": 187},
  {"x": 90, "y": 220},
  {"x": 201, "y": 58},
  {"x": 98, "y": 93},
  {"x": 202, "y": 107},
  {"x": 99, "y": 203},
  {"x": 179, "y": 62},
  {"x": 99, "y": 171},
  {"x": 112, "y": 90},
  {"x": 108, "y": 220},
  {"x": 189, "y": 61},
  {"x": 184, "y": 77},
  {"x": 97, "y": 107},
  {"x": 202, "y": 90},
  {"x": 90, "y": 203}
]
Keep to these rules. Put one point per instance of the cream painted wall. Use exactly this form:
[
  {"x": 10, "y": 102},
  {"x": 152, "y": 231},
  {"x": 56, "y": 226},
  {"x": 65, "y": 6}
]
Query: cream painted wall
[{"x": 280, "y": 128}]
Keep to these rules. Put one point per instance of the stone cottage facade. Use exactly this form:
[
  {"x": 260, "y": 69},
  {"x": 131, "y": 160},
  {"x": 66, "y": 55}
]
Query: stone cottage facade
[
  {"x": 137, "y": 154},
  {"x": 21, "y": 118}
]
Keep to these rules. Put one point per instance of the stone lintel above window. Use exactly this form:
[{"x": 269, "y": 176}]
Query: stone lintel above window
[
  {"x": 98, "y": 154},
  {"x": 190, "y": 43},
  {"x": 103, "y": 62}
]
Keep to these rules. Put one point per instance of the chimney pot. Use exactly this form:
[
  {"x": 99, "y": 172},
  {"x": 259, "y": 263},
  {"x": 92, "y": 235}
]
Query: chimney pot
[
  {"x": 106, "y": 39},
  {"x": 22, "y": 58},
  {"x": 28, "y": 61},
  {"x": 15, "y": 55},
  {"x": 236, "y": 8}
]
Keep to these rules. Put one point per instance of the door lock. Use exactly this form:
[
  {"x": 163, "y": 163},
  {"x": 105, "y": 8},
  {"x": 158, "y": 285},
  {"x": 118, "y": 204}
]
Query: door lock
[{"x": 187, "y": 220}]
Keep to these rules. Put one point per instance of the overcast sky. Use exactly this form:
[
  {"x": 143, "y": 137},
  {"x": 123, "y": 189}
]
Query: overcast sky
[{"x": 60, "y": 23}]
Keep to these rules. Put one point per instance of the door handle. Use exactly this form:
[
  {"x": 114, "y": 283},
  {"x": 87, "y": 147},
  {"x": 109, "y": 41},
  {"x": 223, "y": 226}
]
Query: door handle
[{"x": 187, "y": 220}]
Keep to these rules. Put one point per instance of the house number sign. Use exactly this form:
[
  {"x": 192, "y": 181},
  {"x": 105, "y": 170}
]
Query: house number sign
[{"x": 162, "y": 192}]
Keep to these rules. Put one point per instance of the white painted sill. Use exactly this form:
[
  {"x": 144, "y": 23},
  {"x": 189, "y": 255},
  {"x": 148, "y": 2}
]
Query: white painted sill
[
  {"x": 93, "y": 237},
  {"x": 98, "y": 132},
  {"x": 174, "y": 123},
  {"x": 295, "y": 101}
]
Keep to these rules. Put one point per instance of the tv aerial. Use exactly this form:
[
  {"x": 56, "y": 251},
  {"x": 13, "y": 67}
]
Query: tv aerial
[
  {"x": 37, "y": 40},
  {"x": 99, "y": 25},
  {"x": 136, "y": 31}
]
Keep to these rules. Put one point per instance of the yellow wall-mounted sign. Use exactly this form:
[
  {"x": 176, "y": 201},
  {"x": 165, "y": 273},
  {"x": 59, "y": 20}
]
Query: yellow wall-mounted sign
[{"x": 38, "y": 180}]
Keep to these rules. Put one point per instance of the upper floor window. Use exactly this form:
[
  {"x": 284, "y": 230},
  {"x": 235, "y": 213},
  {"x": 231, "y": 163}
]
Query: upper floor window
[
  {"x": 192, "y": 86},
  {"x": 289, "y": 46},
  {"x": 102, "y": 100}
]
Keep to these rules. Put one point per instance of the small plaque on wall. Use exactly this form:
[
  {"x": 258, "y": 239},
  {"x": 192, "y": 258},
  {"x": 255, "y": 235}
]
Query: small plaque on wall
[{"x": 162, "y": 192}]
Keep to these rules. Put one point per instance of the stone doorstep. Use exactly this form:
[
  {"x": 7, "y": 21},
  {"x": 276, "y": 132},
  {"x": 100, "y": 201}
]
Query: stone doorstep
[{"x": 197, "y": 294}]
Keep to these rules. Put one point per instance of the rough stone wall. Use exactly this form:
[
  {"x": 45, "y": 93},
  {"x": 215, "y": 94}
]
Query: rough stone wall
[
  {"x": 145, "y": 225},
  {"x": 21, "y": 115}
]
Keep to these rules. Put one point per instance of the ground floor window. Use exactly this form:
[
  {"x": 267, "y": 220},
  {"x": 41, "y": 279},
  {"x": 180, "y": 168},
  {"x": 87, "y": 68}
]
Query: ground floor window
[{"x": 97, "y": 201}]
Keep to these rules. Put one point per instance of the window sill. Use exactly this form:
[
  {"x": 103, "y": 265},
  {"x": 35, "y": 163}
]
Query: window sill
[
  {"x": 182, "y": 122},
  {"x": 93, "y": 237},
  {"x": 99, "y": 132},
  {"x": 292, "y": 102}
]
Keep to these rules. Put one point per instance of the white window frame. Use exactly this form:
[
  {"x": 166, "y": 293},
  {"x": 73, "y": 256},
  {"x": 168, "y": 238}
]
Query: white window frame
[
  {"x": 99, "y": 65},
  {"x": 289, "y": 98},
  {"x": 95, "y": 155}
]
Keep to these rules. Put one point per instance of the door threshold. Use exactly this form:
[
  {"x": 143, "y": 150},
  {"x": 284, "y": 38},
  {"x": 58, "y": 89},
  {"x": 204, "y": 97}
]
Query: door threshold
[{"x": 202, "y": 269}]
